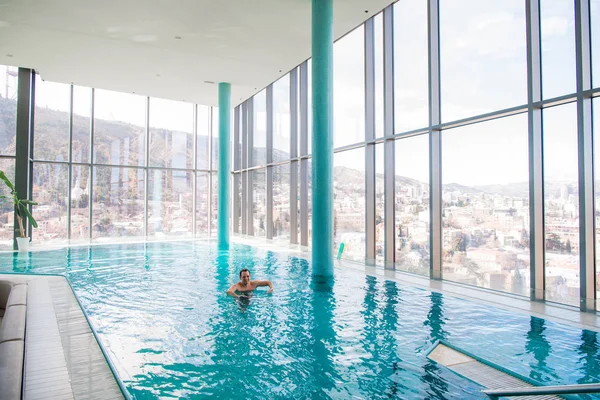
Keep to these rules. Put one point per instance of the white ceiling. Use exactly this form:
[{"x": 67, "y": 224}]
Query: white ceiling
[{"x": 167, "y": 48}]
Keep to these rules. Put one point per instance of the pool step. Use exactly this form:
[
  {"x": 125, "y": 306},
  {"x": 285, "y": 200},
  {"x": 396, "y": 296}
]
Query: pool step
[{"x": 470, "y": 368}]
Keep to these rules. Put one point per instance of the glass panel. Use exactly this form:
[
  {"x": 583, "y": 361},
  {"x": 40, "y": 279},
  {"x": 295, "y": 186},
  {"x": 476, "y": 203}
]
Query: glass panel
[
  {"x": 203, "y": 136},
  {"x": 214, "y": 204},
  {"x": 119, "y": 128},
  {"x": 558, "y": 47},
  {"x": 596, "y": 124},
  {"x": 259, "y": 208},
  {"x": 82, "y": 107},
  {"x": 561, "y": 202},
  {"x": 349, "y": 88},
  {"x": 379, "y": 87},
  {"x": 281, "y": 119},
  {"x": 6, "y": 207},
  {"x": 595, "y": 33},
  {"x": 281, "y": 202},
  {"x": 259, "y": 153},
  {"x": 237, "y": 180},
  {"x": 485, "y": 214},
  {"x": 411, "y": 65},
  {"x": 215, "y": 139},
  {"x": 51, "y": 191},
  {"x": 481, "y": 69},
  {"x": 412, "y": 204},
  {"x": 241, "y": 133},
  {"x": 310, "y": 203},
  {"x": 80, "y": 202},
  {"x": 9, "y": 77},
  {"x": 171, "y": 130},
  {"x": 118, "y": 207},
  {"x": 309, "y": 108},
  {"x": 51, "y": 122},
  {"x": 202, "y": 204},
  {"x": 170, "y": 203},
  {"x": 299, "y": 204},
  {"x": 349, "y": 203},
  {"x": 379, "y": 205}
]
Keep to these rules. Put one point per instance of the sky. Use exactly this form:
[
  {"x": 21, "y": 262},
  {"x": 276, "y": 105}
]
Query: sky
[{"x": 483, "y": 69}]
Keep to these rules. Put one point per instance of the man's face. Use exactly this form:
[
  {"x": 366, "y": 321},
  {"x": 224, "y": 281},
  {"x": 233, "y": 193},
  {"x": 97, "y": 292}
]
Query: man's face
[{"x": 245, "y": 277}]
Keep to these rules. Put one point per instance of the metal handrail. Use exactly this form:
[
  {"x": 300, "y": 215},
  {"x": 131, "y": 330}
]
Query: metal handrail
[{"x": 494, "y": 394}]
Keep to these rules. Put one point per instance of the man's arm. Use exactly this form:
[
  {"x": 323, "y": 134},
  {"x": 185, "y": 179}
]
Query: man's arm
[
  {"x": 231, "y": 291},
  {"x": 264, "y": 283}
]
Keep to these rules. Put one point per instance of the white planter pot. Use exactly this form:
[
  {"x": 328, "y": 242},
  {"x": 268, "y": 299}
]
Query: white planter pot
[{"x": 23, "y": 244}]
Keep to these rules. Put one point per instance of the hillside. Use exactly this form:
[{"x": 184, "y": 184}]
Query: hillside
[{"x": 122, "y": 143}]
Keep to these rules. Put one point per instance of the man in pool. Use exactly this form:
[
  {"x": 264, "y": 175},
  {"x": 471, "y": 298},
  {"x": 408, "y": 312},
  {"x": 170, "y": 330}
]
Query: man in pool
[{"x": 245, "y": 286}]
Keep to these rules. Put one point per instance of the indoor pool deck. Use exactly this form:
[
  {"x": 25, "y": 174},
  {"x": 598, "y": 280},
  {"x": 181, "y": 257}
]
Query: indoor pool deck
[{"x": 62, "y": 358}]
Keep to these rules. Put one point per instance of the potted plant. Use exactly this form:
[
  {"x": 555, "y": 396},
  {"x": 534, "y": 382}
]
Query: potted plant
[{"x": 21, "y": 210}]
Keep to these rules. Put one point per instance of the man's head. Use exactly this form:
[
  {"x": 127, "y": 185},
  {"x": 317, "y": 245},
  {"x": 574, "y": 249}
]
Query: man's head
[{"x": 245, "y": 276}]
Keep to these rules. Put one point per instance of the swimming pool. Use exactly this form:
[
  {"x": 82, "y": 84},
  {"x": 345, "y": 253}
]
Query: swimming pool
[{"x": 171, "y": 332}]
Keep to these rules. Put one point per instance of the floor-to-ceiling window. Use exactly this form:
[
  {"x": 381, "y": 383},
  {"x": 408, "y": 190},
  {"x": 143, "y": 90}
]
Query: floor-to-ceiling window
[
  {"x": 8, "y": 129},
  {"x": 109, "y": 164},
  {"x": 485, "y": 210},
  {"x": 477, "y": 127},
  {"x": 119, "y": 153},
  {"x": 561, "y": 204}
]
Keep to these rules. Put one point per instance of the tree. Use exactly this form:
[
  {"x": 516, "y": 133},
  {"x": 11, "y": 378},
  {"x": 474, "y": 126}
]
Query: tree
[
  {"x": 568, "y": 246},
  {"x": 460, "y": 243},
  {"x": 553, "y": 242},
  {"x": 472, "y": 268}
]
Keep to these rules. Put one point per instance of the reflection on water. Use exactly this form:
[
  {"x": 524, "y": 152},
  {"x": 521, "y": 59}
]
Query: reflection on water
[
  {"x": 589, "y": 359},
  {"x": 162, "y": 311}
]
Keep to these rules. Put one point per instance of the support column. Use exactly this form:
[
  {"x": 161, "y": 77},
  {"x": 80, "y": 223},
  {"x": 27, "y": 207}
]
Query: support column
[
  {"x": 370, "y": 167},
  {"x": 389, "y": 146},
  {"x": 224, "y": 127},
  {"x": 244, "y": 154},
  {"x": 293, "y": 155},
  {"x": 236, "y": 167},
  {"x": 304, "y": 152},
  {"x": 322, "y": 138},
  {"x": 269, "y": 169},
  {"x": 435, "y": 143},
  {"x": 536, "y": 153},
  {"x": 587, "y": 231},
  {"x": 25, "y": 99}
]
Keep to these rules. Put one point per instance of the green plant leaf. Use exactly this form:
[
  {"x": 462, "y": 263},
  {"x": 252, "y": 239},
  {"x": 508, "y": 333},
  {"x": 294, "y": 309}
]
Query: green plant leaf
[
  {"x": 7, "y": 181},
  {"x": 33, "y": 203},
  {"x": 30, "y": 217}
]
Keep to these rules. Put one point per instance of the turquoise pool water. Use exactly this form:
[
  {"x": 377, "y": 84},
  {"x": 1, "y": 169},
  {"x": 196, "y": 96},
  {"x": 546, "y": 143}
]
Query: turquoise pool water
[{"x": 161, "y": 311}]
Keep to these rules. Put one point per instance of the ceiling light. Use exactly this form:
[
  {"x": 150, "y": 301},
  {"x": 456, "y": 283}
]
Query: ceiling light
[
  {"x": 9, "y": 55},
  {"x": 178, "y": 37}
]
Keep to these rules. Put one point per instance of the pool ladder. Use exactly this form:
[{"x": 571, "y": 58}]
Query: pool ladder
[
  {"x": 497, "y": 379},
  {"x": 537, "y": 391}
]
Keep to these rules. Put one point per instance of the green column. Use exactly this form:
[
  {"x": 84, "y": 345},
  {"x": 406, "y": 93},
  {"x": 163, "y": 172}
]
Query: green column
[
  {"x": 322, "y": 138},
  {"x": 224, "y": 127}
]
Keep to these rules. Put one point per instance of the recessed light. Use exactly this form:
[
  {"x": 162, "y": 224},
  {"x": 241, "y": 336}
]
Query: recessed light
[
  {"x": 9, "y": 55},
  {"x": 158, "y": 75},
  {"x": 178, "y": 37},
  {"x": 209, "y": 82}
]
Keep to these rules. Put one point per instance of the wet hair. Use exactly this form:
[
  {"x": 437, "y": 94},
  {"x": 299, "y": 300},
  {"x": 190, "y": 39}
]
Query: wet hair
[{"x": 244, "y": 270}]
